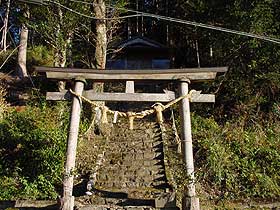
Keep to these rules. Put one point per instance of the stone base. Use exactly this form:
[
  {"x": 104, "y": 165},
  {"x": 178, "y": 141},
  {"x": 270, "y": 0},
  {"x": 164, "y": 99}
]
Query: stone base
[
  {"x": 166, "y": 200},
  {"x": 190, "y": 203}
]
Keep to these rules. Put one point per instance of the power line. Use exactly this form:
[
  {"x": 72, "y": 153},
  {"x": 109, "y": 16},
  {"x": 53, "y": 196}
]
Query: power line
[
  {"x": 186, "y": 22},
  {"x": 202, "y": 25},
  {"x": 92, "y": 17}
]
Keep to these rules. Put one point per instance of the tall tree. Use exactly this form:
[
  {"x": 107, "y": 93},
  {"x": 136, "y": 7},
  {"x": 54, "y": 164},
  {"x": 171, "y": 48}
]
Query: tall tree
[
  {"x": 56, "y": 25},
  {"x": 22, "y": 51},
  {"x": 101, "y": 33},
  {"x": 99, "y": 9},
  {"x": 5, "y": 27}
]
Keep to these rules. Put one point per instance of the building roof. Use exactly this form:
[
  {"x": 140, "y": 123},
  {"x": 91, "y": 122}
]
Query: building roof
[{"x": 141, "y": 42}]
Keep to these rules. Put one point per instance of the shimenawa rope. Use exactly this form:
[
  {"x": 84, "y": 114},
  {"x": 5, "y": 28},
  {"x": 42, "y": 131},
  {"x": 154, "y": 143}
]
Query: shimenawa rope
[{"x": 157, "y": 107}]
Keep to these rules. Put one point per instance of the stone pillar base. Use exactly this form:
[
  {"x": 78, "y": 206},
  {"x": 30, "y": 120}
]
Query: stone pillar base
[{"x": 190, "y": 203}]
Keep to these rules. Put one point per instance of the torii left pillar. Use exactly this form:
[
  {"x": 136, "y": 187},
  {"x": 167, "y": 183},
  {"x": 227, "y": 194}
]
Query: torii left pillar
[{"x": 68, "y": 199}]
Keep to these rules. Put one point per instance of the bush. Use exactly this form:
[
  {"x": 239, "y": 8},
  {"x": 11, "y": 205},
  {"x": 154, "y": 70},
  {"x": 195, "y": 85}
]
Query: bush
[
  {"x": 237, "y": 162},
  {"x": 32, "y": 150}
]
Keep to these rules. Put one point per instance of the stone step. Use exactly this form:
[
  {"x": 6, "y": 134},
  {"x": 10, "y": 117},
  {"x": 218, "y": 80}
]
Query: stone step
[
  {"x": 133, "y": 146},
  {"x": 144, "y": 162},
  {"x": 139, "y": 151},
  {"x": 116, "y": 139},
  {"x": 104, "y": 207},
  {"x": 136, "y": 177},
  {"x": 151, "y": 133},
  {"x": 145, "y": 175},
  {"x": 132, "y": 156},
  {"x": 122, "y": 131},
  {"x": 136, "y": 124},
  {"x": 155, "y": 199},
  {"x": 132, "y": 175},
  {"x": 121, "y": 170},
  {"x": 108, "y": 185},
  {"x": 109, "y": 207}
]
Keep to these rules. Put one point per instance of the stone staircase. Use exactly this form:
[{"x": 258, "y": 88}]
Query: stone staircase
[{"x": 132, "y": 173}]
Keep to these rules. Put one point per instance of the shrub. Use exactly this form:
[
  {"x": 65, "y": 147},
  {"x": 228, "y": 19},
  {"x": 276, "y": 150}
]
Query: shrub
[
  {"x": 234, "y": 161},
  {"x": 32, "y": 150}
]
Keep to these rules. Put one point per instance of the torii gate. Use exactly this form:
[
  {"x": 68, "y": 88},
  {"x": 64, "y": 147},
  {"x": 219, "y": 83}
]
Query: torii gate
[{"x": 182, "y": 76}]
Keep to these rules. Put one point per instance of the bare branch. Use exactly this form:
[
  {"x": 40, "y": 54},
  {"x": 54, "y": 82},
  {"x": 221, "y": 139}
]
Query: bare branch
[{"x": 9, "y": 56}]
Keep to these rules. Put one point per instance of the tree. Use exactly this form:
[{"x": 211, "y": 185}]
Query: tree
[
  {"x": 252, "y": 62},
  {"x": 56, "y": 25},
  {"x": 5, "y": 27},
  {"x": 22, "y": 51},
  {"x": 99, "y": 10}
]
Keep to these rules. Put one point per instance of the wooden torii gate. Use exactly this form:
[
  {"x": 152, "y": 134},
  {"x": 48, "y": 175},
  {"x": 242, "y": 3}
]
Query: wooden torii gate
[{"x": 182, "y": 76}]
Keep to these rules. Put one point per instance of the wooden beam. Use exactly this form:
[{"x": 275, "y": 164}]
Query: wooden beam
[
  {"x": 129, "y": 87},
  {"x": 203, "y": 98},
  {"x": 202, "y": 76},
  {"x": 91, "y": 95},
  {"x": 147, "y": 97},
  {"x": 127, "y": 71},
  {"x": 194, "y": 74},
  {"x": 59, "y": 96}
]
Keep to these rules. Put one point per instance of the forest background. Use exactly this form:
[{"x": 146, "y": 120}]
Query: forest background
[{"x": 237, "y": 140}]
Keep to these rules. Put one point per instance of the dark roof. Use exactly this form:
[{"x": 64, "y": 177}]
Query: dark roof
[{"x": 140, "y": 42}]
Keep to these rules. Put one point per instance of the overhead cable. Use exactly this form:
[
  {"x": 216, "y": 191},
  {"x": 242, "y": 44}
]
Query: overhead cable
[
  {"x": 92, "y": 17},
  {"x": 170, "y": 19}
]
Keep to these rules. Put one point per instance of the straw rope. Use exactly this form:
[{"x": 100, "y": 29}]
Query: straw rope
[{"x": 157, "y": 107}]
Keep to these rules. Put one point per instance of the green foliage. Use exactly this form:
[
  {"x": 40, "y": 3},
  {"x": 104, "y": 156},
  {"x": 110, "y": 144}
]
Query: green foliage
[
  {"x": 237, "y": 162},
  {"x": 39, "y": 56},
  {"x": 32, "y": 150},
  {"x": 3, "y": 103}
]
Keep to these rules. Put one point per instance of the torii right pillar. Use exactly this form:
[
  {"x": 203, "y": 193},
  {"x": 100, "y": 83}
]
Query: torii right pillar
[{"x": 189, "y": 200}]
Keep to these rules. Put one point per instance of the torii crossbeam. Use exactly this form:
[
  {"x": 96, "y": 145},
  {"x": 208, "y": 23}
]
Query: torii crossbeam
[{"x": 182, "y": 76}]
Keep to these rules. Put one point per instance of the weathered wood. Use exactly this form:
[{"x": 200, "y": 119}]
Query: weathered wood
[
  {"x": 185, "y": 115},
  {"x": 59, "y": 96},
  {"x": 197, "y": 74},
  {"x": 129, "y": 71},
  {"x": 200, "y": 76},
  {"x": 203, "y": 98},
  {"x": 190, "y": 196},
  {"x": 91, "y": 95},
  {"x": 129, "y": 87},
  {"x": 158, "y": 97},
  {"x": 145, "y": 97},
  {"x": 68, "y": 199}
]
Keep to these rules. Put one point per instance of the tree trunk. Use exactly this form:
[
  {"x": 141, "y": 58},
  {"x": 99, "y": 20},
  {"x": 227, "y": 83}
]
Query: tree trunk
[
  {"x": 22, "y": 51},
  {"x": 101, "y": 39},
  {"x": 5, "y": 29},
  {"x": 69, "y": 53},
  {"x": 60, "y": 48}
]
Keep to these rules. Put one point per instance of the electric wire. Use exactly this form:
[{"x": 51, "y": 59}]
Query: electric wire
[
  {"x": 92, "y": 17},
  {"x": 187, "y": 22}
]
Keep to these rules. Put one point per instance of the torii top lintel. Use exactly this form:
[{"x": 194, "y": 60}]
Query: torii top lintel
[{"x": 193, "y": 74}]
